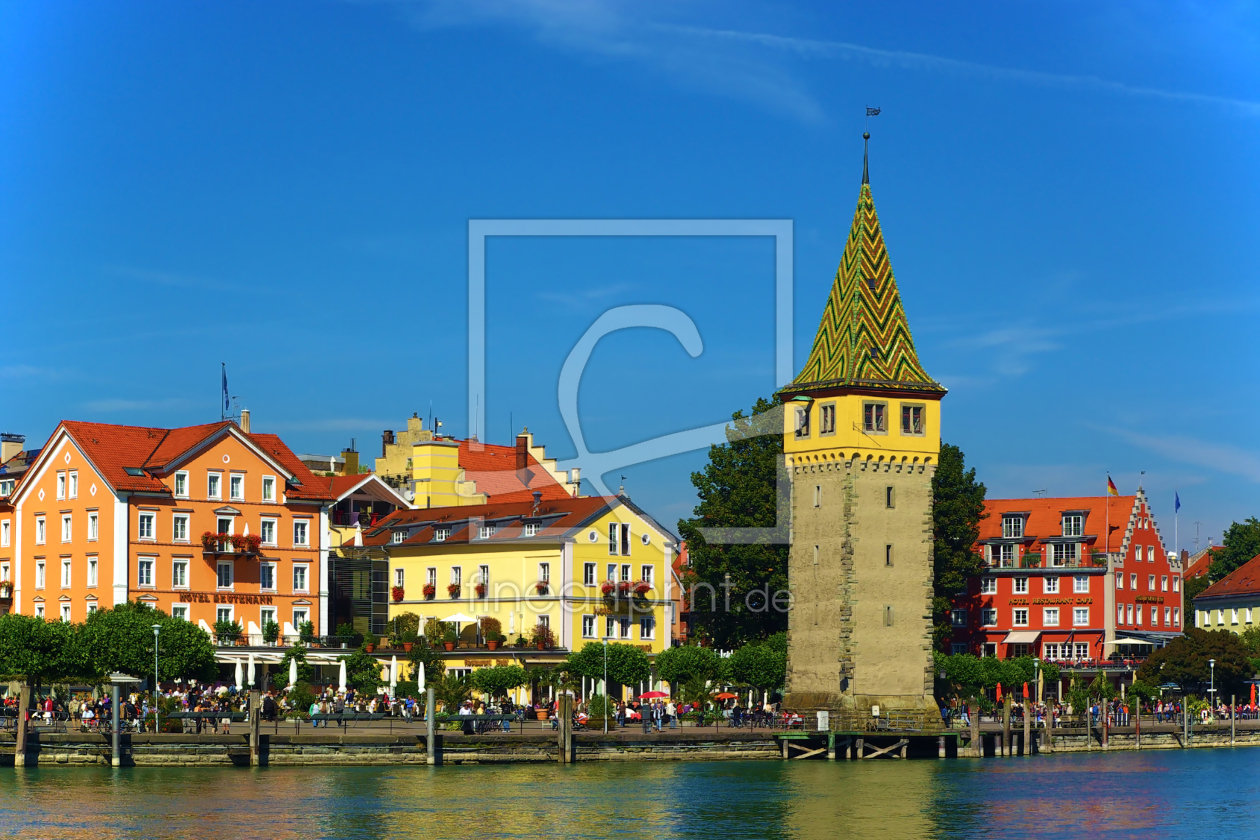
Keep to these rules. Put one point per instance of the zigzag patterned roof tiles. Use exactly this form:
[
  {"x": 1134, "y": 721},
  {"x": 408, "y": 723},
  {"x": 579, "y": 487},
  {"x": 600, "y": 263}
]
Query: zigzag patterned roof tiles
[{"x": 864, "y": 339}]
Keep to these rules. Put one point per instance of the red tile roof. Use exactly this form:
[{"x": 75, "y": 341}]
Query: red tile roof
[
  {"x": 1245, "y": 580},
  {"x": 1045, "y": 517},
  {"x": 494, "y": 470},
  {"x": 1199, "y": 563},
  {"x": 560, "y": 516},
  {"x": 113, "y": 449}
]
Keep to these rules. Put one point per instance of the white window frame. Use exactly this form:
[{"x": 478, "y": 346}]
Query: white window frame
[
  {"x": 1150, "y": 583},
  {"x": 544, "y": 573},
  {"x": 231, "y": 573},
  {"x": 4, "y": 572},
  {"x": 589, "y": 572},
  {"x": 67, "y": 527},
  {"x": 61, "y": 484},
  {"x": 1080, "y": 584},
  {"x": 214, "y": 484},
  {"x": 1176, "y": 616},
  {"x": 273, "y": 567},
  {"x": 399, "y": 536},
  {"x": 1119, "y": 613},
  {"x": 1064, "y": 553},
  {"x": 275, "y": 530},
  {"x": 1119, "y": 580},
  {"x": 177, "y": 520},
  {"x": 988, "y": 617},
  {"x": 305, "y": 570},
  {"x": 268, "y": 481},
  {"x": 486, "y": 530},
  {"x": 74, "y": 484},
  {"x": 1133, "y": 581},
  {"x": 94, "y": 526},
  {"x": 647, "y": 574},
  {"x": 178, "y": 564},
  {"x": 400, "y": 577},
  {"x": 181, "y": 478},
  {"x": 65, "y": 611},
  {"x": 93, "y": 571},
  {"x": 143, "y": 564},
  {"x": 1019, "y": 585},
  {"x": 1163, "y": 583},
  {"x": 457, "y": 575},
  {"x": 67, "y": 573},
  {"x": 988, "y": 586},
  {"x": 1168, "y": 616},
  {"x": 41, "y": 573},
  {"x": 1176, "y": 580},
  {"x": 39, "y": 610},
  {"x": 441, "y": 534},
  {"x": 1012, "y": 527},
  {"x": 266, "y": 614},
  {"x": 224, "y": 612},
  {"x": 151, "y": 516},
  {"x": 1050, "y": 585},
  {"x": 301, "y": 615},
  {"x": 531, "y": 529},
  {"x": 301, "y": 532},
  {"x": 614, "y": 539},
  {"x": 588, "y": 627},
  {"x": 180, "y": 610},
  {"x": 626, "y": 542},
  {"x": 1154, "y": 616},
  {"x": 1073, "y": 524},
  {"x": 1018, "y": 613},
  {"x": 4, "y": 533},
  {"x": 1080, "y": 616},
  {"x": 1082, "y": 650},
  {"x": 1050, "y": 616},
  {"x": 431, "y": 576},
  {"x": 41, "y": 530},
  {"x": 235, "y": 480},
  {"x": 647, "y": 628},
  {"x": 958, "y": 618}
]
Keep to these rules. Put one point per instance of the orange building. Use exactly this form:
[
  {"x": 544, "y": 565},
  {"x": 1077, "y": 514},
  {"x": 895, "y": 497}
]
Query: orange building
[{"x": 107, "y": 514}]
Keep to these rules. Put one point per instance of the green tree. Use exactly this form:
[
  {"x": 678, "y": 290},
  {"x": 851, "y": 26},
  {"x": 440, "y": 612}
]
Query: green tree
[
  {"x": 1143, "y": 691},
  {"x": 363, "y": 671},
  {"x": 761, "y": 666},
  {"x": 680, "y": 665},
  {"x": 738, "y": 593},
  {"x": 430, "y": 659},
  {"x": 41, "y": 652},
  {"x": 1186, "y": 661},
  {"x": 1240, "y": 543},
  {"x": 498, "y": 680},
  {"x": 626, "y": 664},
  {"x": 450, "y": 690},
  {"x": 957, "y": 508},
  {"x": 1193, "y": 587},
  {"x": 121, "y": 639}
]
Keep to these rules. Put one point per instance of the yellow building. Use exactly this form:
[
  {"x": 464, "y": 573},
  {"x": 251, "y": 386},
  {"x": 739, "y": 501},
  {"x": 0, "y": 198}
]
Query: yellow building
[
  {"x": 587, "y": 568},
  {"x": 433, "y": 470}
]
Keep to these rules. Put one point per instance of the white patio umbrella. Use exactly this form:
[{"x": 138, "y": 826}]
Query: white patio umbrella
[
  {"x": 458, "y": 619},
  {"x": 511, "y": 623},
  {"x": 420, "y": 677},
  {"x": 341, "y": 676},
  {"x": 250, "y": 670},
  {"x": 292, "y": 673},
  {"x": 393, "y": 674},
  {"x": 239, "y": 682}
]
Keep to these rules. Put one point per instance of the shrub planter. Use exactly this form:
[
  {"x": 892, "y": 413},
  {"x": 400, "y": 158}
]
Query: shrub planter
[
  {"x": 449, "y": 645},
  {"x": 492, "y": 645}
]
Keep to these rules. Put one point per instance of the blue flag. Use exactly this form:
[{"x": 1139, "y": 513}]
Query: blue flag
[
  {"x": 227, "y": 403},
  {"x": 1176, "y": 502}
]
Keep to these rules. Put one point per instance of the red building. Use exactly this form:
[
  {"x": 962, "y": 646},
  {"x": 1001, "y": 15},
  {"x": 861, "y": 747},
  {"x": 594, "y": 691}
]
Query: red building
[{"x": 1070, "y": 580}]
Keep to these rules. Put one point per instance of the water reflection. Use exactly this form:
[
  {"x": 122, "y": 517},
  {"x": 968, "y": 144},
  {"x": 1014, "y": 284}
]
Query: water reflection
[{"x": 1207, "y": 792}]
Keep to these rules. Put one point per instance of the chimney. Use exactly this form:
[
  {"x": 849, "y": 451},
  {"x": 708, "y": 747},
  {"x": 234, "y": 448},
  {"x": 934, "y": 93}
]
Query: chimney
[
  {"x": 245, "y": 420},
  {"x": 522, "y": 453},
  {"x": 537, "y": 501},
  {"x": 10, "y": 445},
  {"x": 387, "y": 439},
  {"x": 351, "y": 465}
]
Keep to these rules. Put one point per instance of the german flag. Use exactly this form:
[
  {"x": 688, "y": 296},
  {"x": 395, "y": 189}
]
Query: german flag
[{"x": 1111, "y": 487}]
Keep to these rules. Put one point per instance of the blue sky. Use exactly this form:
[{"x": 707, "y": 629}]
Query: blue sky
[{"x": 1068, "y": 193}]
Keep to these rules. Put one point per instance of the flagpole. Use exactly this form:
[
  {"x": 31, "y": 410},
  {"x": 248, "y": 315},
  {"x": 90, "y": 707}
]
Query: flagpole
[{"x": 222, "y": 378}]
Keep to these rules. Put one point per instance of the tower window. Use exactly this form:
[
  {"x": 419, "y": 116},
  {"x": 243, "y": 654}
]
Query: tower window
[
  {"x": 827, "y": 419},
  {"x": 817, "y": 495},
  {"x": 872, "y": 283},
  {"x": 888, "y": 554},
  {"x": 889, "y": 498},
  {"x": 888, "y": 615},
  {"x": 802, "y": 423},
  {"x": 874, "y": 416},
  {"x": 912, "y": 419},
  {"x": 815, "y": 555}
]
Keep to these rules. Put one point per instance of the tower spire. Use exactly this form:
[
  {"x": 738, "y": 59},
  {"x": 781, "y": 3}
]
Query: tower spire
[{"x": 866, "y": 141}]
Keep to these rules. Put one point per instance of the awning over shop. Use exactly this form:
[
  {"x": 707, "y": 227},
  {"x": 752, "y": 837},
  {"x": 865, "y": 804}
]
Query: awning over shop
[{"x": 1021, "y": 637}]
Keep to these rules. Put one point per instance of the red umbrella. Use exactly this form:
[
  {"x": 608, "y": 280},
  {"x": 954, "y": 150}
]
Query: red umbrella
[
  {"x": 725, "y": 695},
  {"x": 1253, "y": 694},
  {"x": 999, "y": 693},
  {"x": 653, "y": 695},
  {"x": 1025, "y": 691}
]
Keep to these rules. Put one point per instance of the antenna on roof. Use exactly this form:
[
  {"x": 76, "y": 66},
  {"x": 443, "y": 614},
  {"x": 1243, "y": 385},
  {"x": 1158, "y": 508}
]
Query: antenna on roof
[{"x": 1040, "y": 494}]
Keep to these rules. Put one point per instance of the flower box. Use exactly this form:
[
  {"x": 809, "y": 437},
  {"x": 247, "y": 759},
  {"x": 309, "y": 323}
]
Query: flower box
[
  {"x": 608, "y": 589},
  {"x": 642, "y": 588},
  {"x": 453, "y": 590},
  {"x": 397, "y": 593},
  {"x": 542, "y": 587},
  {"x": 480, "y": 589},
  {"x": 623, "y": 587},
  {"x": 429, "y": 591}
]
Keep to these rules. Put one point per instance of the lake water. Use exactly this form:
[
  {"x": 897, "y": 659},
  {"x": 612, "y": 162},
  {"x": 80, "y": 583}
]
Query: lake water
[{"x": 1203, "y": 793}]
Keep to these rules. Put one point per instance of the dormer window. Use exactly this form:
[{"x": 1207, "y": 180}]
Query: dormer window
[
  {"x": 399, "y": 536},
  {"x": 1073, "y": 524},
  {"x": 531, "y": 529},
  {"x": 486, "y": 531},
  {"x": 441, "y": 534},
  {"x": 1012, "y": 527}
]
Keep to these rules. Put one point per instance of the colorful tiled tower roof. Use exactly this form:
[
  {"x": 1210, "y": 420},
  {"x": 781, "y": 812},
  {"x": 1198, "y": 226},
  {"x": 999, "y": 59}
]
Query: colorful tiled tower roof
[{"x": 864, "y": 339}]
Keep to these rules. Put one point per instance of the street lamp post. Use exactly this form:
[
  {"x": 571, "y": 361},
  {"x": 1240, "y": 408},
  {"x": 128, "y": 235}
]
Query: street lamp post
[
  {"x": 605, "y": 680},
  {"x": 1212, "y": 690},
  {"x": 157, "y": 712}
]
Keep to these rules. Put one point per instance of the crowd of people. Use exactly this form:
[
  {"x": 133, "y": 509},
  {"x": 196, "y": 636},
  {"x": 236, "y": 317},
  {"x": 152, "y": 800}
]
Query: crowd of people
[{"x": 1117, "y": 712}]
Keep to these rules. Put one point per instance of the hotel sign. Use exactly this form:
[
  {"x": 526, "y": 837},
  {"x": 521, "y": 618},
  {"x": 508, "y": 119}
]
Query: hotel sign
[{"x": 225, "y": 598}]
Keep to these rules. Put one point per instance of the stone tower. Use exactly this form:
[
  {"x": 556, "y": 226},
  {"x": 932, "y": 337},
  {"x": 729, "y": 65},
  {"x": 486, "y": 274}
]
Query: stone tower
[{"x": 861, "y": 439}]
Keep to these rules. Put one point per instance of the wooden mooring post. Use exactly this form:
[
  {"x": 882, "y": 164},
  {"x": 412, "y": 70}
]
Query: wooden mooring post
[
  {"x": 255, "y": 721},
  {"x": 23, "y": 725},
  {"x": 433, "y": 754},
  {"x": 564, "y": 751},
  {"x": 1027, "y": 728},
  {"x": 1006, "y": 727}
]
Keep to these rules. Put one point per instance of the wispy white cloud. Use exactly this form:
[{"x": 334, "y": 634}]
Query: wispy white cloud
[
  {"x": 178, "y": 281},
  {"x": 1222, "y": 458},
  {"x": 734, "y": 62},
  {"x": 809, "y": 48}
]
